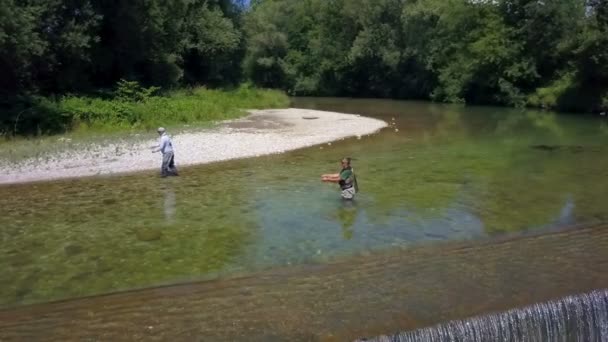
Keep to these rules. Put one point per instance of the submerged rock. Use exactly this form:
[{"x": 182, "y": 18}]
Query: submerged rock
[
  {"x": 71, "y": 249},
  {"x": 103, "y": 267},
  {"x": 148, "y": 234},
  {"x": 27, "y": 285},
  {"x": 571, "y": 148},
  {"x": 18, "y": 260},
  {"x": 109, "y": 201},
  {"x": 545, "y": 147},
  {"x": 81, "y": 276},
  {"x": 23, "y": 292}
]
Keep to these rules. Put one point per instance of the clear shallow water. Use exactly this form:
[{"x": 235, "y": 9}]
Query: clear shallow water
[{"x": 448, "y": 173}]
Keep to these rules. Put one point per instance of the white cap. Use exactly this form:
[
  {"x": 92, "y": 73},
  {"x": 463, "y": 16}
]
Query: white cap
[{"x": 161, "y": 130}]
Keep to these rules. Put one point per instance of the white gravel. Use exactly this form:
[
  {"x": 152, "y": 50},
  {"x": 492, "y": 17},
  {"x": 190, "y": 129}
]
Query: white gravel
[{"x": 262, "y": 132}]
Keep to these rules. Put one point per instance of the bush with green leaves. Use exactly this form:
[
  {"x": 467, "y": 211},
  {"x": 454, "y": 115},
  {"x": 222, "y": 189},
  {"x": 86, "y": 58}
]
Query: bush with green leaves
[
  {"x": 186, "y": 106},
  {"x": 133, "y": 91}
]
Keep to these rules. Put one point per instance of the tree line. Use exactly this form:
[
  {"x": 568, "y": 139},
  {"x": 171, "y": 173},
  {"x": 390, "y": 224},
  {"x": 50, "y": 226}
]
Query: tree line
[
  {"x": 58, "y": 46},
  {"x": 538, "y": 53},
  {"x": 509, "y": 52}
]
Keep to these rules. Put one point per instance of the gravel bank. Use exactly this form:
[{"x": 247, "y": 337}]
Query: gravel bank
[{"x": 261, "y": 132}]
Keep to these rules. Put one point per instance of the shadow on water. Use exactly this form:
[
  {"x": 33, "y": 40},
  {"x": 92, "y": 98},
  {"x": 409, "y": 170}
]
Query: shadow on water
[
  {"x": 347, "y": 215},
  {"x": 581, "y": 317},
  {"x": 169, "y": 204}
]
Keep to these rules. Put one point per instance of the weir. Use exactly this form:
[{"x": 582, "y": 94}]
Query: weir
[{"x": 581, "y": 317}]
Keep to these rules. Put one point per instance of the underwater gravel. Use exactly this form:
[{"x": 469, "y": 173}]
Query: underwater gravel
[{"x": 262, "y": 132}]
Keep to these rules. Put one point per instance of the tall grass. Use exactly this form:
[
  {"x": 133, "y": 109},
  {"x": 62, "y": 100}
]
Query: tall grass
[
  {"x": 85, "y": 120},
  {"x": 186, "y": 106}
]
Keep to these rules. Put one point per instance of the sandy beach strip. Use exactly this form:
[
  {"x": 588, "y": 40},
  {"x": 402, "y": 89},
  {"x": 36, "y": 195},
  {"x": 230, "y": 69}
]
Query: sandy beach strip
[{"x": 262, "y": 132}]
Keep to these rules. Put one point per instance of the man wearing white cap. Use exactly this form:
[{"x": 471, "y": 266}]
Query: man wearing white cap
[{"x": 166, "y": 148}]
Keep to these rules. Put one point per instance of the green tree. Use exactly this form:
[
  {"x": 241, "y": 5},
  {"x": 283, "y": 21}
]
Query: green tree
[
  {"x": 45, "y": 45},
  {"x": 214, "y": 44},
  {"x": 267, "y": 45}
]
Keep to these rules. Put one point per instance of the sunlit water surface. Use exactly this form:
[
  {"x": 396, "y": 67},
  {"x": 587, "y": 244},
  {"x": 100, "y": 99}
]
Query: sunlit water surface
[{"x": 437, "y": 174}]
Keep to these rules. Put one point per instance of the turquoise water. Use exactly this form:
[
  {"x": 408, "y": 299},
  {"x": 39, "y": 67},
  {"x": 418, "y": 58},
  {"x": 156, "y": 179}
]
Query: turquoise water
[{"x": 438, "y": 173}]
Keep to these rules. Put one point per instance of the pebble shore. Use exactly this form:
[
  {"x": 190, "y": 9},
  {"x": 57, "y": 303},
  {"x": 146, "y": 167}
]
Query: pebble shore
[{"x": 262, "y": 132}]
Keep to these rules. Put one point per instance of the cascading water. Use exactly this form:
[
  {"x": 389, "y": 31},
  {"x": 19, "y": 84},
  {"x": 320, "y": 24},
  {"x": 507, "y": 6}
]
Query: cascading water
[{"x": 581, "y": 318}]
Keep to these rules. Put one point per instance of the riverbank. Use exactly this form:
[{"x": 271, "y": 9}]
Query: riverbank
[
  {"x": 261, "y": 132},
  {"x": 130, "y": 107}
]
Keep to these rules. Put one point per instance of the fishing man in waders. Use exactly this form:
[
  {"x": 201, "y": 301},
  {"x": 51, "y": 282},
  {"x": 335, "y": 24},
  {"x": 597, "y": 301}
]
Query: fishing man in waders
[
  {"x": 346, "y": 179},
  {"x": 166, "y": 148}
]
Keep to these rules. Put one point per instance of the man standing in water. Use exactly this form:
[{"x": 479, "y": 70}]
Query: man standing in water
[
  {"x": 346, "y": 179},
  {"x": 166, "y": 148}
]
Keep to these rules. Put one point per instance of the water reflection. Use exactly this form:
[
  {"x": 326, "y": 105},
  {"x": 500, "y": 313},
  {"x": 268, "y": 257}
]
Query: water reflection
[
  {"x": 546, "y": 121},
  {"x": 347, "y": 215},
  {"x": 566, "y": 216},
  {"x": 604, "y": 127},
  {"x": 168, "y": 203}
]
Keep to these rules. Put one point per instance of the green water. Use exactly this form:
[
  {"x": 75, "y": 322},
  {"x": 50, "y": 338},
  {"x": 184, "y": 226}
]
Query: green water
[{"x": 438, "y": 173}]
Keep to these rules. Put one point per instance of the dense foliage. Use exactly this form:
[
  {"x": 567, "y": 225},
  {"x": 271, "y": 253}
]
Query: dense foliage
[
  {"x": 548, "y": 54},
  {"x": 510, "y": 52},
  {"x": 54, "y": 46}
]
